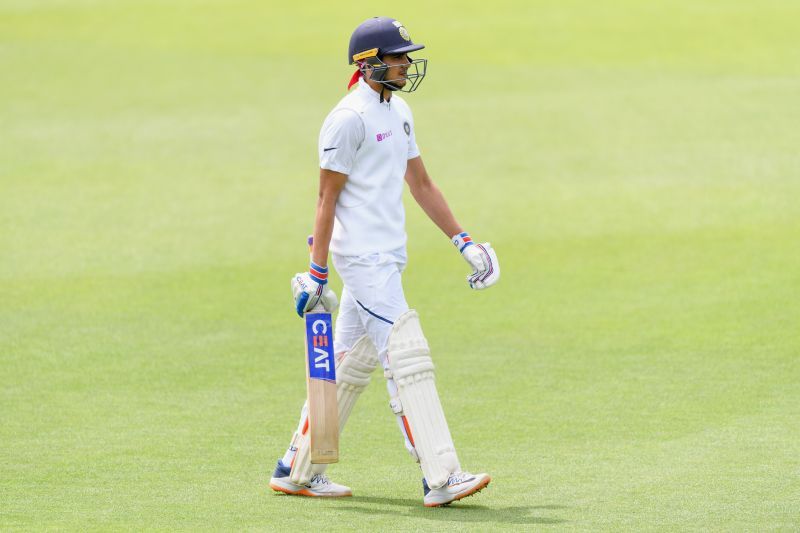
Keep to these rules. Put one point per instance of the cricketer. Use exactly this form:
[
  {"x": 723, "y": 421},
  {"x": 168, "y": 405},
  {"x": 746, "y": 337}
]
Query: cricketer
[{"x": 367, "y": 148}]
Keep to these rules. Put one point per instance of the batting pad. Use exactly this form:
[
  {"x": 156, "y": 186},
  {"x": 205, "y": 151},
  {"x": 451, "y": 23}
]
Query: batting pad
[
  {"x": 352, "y": 377},
  {"x": 412, "y": 370}
]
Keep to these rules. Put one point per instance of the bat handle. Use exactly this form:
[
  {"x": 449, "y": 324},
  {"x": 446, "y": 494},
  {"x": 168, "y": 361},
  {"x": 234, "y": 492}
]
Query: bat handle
[{"x": 319, "y": 308}]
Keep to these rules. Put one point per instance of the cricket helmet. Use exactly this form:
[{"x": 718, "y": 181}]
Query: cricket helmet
[{"x": 379, "y": 36}]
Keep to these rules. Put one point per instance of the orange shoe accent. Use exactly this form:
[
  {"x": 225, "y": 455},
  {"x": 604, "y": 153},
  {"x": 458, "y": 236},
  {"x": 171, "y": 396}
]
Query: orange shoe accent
[
  {"x": 280, "y": 489},
  {"x": 306, "y": 492},
  {"x": 477, "y": 488}
]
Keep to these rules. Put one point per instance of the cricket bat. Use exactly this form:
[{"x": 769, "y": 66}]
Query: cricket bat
[{"x": 323, "y": 409}]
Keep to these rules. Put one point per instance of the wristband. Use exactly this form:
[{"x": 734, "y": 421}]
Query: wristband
[
  {"x": 318, "y": 273},
  {"x": 462, "y": 240}
]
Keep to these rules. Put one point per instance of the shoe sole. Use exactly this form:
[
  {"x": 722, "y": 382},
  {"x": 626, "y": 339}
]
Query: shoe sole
[
  {"x": 307, "y": 493},
  {"x": 476, "y": 489}
]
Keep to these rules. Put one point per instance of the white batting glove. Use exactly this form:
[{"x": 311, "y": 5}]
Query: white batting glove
[
  {"x": 310, "y": 289},
  {"x": 482, "y": 258}
]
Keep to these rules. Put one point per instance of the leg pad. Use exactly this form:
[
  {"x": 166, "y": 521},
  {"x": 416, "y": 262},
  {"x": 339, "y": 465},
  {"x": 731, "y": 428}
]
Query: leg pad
[
  {"x": 352, "y": 377},
  {"x": 412, "y": 370}
]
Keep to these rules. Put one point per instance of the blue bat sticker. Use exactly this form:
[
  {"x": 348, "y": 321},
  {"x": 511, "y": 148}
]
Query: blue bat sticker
[{"x": 319, "y": 343}]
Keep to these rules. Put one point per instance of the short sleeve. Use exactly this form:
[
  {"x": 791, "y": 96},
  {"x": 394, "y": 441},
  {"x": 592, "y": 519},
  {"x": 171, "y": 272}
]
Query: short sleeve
[
  {"x": 341, "y": 135},
  {"x": 413, "y": 149}
]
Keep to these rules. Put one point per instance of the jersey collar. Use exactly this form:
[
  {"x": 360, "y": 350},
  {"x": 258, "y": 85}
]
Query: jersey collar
[{"x": 368, "y": 92}]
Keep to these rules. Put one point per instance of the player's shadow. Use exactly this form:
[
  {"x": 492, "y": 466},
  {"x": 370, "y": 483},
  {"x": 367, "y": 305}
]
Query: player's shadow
[{"x": 458, "y": 512}]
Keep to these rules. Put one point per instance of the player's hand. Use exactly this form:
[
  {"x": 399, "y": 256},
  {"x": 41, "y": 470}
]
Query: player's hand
[
  {"x": 310, "y": 289},
  {"x": 482, "y": 258}
]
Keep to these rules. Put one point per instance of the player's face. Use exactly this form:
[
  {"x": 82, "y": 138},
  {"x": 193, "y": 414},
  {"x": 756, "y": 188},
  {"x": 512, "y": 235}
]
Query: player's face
[{"x": 398, "y": 68}]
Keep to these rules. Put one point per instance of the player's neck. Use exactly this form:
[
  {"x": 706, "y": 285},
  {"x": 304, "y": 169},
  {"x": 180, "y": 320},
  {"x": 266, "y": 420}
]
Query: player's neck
[{"x": 378, "y": 87}]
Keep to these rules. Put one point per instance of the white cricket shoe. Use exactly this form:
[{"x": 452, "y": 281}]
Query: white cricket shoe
[
  {"x": 459, "y": 485},
  {"x": 318, "y": 486}
]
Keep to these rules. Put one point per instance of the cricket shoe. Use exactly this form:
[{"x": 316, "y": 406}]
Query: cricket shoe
[
  {"x": 459, "y": 485},
  {"x": 318, "y": 486}
]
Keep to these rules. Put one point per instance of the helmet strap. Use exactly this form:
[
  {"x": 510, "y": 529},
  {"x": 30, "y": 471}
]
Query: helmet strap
[{"x": 392, "y": 87}]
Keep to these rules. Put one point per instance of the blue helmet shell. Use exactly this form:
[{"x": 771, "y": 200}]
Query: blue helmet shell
[{"x": 385, "y": 34}]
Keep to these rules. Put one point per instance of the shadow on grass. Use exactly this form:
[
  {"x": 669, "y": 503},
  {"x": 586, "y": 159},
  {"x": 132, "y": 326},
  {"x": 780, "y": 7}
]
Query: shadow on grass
[{"x": 458, "y": 512}]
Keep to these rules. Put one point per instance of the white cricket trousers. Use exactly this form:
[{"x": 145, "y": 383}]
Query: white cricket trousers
[{"x": 372, "y": 298}]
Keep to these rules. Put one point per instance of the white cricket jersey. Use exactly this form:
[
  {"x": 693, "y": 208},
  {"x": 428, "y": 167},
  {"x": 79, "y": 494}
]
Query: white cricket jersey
[{"x": 371, "y": 142}]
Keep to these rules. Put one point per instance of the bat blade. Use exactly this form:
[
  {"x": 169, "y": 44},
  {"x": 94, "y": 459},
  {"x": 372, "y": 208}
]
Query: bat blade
[{"x": 323, "y": 410}]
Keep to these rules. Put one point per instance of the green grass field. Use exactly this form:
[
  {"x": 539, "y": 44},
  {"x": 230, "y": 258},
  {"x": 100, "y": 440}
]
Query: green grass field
[{"x": 635, "y": 164}]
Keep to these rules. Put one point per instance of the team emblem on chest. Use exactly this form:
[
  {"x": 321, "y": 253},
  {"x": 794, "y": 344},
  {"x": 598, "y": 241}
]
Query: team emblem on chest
[{"x": 407, "y": 128}]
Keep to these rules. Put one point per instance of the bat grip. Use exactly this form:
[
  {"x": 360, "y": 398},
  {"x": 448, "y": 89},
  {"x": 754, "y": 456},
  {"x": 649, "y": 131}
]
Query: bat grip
[{"x": 319, "y": 308}]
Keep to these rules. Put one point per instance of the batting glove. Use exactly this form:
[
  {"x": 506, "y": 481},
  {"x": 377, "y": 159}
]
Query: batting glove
[
  {"x": 309, "y": 290},
  {"x": 482, "y": 258}
]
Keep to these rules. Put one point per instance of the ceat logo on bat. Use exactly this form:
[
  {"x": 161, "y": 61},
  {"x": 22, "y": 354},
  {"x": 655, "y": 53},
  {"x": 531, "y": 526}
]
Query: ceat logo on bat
[{"x": 319, "y": 340}]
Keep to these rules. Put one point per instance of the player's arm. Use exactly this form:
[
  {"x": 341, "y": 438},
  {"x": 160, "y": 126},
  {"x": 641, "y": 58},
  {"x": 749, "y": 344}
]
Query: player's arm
[
  {"x": 309, "y": 288},
  {"x": 341, "y": 136},
  {"x": 331, "y": 184},
  {"x": 482, "y": 258},
  {"x": 430, "y": 198},
  {"x": 342, "y": 133}
]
